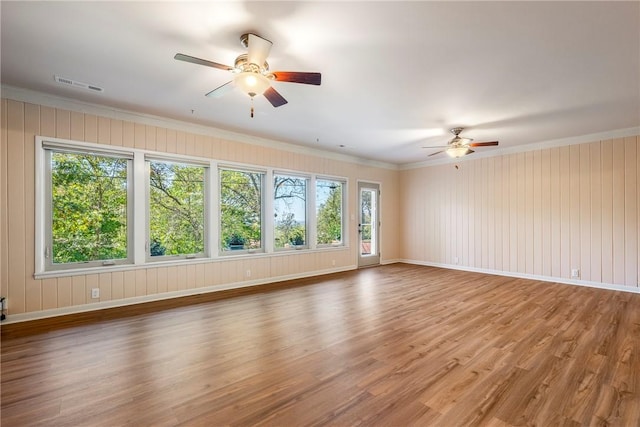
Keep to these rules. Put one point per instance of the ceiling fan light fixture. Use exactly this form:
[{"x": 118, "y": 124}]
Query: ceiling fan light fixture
[
  {"x": 456, "y": 152},
  {"x": 251, "y": 83}
]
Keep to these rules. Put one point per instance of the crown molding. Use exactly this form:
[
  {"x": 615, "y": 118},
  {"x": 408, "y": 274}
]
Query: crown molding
[
  {"x": 582, "y": 139},
  {"x": 55, "y": 101}
]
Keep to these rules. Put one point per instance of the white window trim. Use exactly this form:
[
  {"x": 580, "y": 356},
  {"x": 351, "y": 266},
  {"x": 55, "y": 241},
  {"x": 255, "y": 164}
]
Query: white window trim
[
  {"x": 147, "y": 187},
  {"x": 212, "y": 205}
]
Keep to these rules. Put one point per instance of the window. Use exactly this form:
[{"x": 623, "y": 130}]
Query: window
[
  {"x": 240, "y": 210},
  {"x": 329, "y": 195},
  {"x": 100, "y": 206},
  {"x": 290, "y": 211},
  {"x": 176, "y": 209},
  {"x": 88, "y": 208}
]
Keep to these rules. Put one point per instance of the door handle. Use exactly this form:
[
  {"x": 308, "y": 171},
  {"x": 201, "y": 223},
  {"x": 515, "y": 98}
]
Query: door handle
[{"x": 360, "y": 228}]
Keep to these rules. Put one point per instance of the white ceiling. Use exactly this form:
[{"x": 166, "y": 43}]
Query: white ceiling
[{"x": 395, "y": 75}]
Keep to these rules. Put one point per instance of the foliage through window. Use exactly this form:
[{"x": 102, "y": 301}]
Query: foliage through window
[
  {"x": 176, "y": 209},
  {"x": 88, "y": 212},
  {"x": 240, "y": 210},
  {"x": 329, "y": 212},
  {"x": 290, "y": 211}
]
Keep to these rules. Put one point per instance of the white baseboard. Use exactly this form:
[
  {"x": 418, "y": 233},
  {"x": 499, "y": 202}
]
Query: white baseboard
[
  {"x": 586, "y": 283},
  {"x": 35, "y": 315}
]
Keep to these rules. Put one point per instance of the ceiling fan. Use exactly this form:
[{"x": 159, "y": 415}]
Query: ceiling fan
[
  {"x": 459, "y": 146},
  {"x": 251, "y": 72}
]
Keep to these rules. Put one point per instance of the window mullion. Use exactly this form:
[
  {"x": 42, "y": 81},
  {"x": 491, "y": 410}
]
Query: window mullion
[
  {"x": 268, "y": 213},
  {"x": 213, "y": 211},
  {"x": 140, "y": 209}
]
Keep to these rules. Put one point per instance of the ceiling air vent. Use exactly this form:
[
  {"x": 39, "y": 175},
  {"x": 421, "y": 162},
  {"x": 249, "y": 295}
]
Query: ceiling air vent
[{"x": 80, "y": 85}]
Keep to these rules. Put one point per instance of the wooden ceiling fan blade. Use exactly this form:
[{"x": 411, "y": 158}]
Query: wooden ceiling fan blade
[
  {"x": 221, "y": 90},
  {"x": 259, "y": 49},
  {"x": 194, "y": 60},
  {"x": 274, "y": 97},
  {"x": 469, "y": 152},
  {"x": 482, "y": 144},
  {"x": 437, "y": 152},
  {"x": 298, "y": 77}
]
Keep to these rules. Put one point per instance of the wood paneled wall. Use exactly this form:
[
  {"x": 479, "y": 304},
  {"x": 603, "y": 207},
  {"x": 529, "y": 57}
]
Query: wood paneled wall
[
  {"x": 21, "y": 122},
  {"x": 540, "y": 212}
]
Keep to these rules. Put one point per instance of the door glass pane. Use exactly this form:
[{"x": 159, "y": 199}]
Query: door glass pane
[{"x": 367, "y": 222}]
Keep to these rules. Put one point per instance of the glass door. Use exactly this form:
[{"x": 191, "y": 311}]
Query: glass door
[{"x": 368, "y": 224}]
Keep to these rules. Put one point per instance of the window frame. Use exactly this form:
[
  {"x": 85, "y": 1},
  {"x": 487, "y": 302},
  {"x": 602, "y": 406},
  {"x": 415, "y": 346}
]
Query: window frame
[
  {"x": 45, "y": 260},
  {"x": 263, "y": 224},
  {"x": 309, "y": 195},
  {"x": 138, "y": 209},
  {"x": 148, "y": 158},
  {"x": 343, "y": 211}
]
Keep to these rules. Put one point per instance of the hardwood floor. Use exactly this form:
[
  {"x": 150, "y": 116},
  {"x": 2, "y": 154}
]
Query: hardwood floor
[{"x": 395, "y": 345}]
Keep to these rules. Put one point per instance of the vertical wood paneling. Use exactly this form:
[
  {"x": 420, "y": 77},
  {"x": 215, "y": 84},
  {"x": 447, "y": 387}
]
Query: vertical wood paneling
[
  {"x": 141, "y": 283},
  {"x": 556, "y": 216},
  {"x": 48, "y": 121},
  {"x": 33, "y": 288},
  {"x": 128, "y": 134},
  {"x": 163, "y": 285},
  {"x": 16, "y": 204},
  {"x": 63, "y": 124},
  {"x": 139, "y": 136},
  {"x": 595, "y": 246},
  {"x": 152, "y": 281},
  {"x": 498, "y": 207},
  {"x": 117, "y": 285},
  {"x": 529, "y": 196},
  {"x": 91, "y": 281},
  {"x": 116, "y": 131},
  {"x": 521, "y": 216},
  {"x": 64, "y": 292},
  {"x": 129, "y": 284},
  {"x": 631, "y": 212},
  {"x": 565, "y": 212},
  {"x": 618, "y": 212},
  {"x": 104, "y": 283},
  {"x": 49, "y": 294},
  {"x": 4, "y": 238},
  {"x": 545, "y": 212},
  {"x": 181, "y": 143},
  {"x": 190, "y": 144},
  {"x": 150, "y": 134},
  {"x": 607, "y": 211},
  {"x": 513, "y": 213},
  {"x": 172, "y": 279},
  {"x": 78, "y": 290},
  {"x": 77, "y": 126},
  {"x": 585, "y": 211},
  {"x": 104, "y": 131},
  {"x": 478, "y": 195},
  {"x": 537, "y": 213},
  {"x": 171, "y": 141},
  {"x": 574, "y": 202},
  {"x": 506, "y": 201},
  {"x": 161, "y": 139},
  {"x": 91, "y": 128}
]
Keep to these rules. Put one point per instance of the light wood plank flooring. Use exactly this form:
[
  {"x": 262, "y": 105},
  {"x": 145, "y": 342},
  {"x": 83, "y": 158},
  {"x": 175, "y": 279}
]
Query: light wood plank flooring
[{"x": 395, "y": 345}]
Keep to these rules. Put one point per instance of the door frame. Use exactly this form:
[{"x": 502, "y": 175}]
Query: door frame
[{"x": 369, "y": 260}]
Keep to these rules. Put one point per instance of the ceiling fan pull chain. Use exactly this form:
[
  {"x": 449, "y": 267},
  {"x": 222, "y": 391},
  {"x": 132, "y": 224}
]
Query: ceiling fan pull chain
[{"x": 252, "y": 107}]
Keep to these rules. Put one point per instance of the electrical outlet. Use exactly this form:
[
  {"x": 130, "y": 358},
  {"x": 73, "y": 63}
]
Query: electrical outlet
[
  {"x": 455, "y": 259},
  {"x": 95, "y": 293},
  {"x": 248, "y": 273},
  {"x": 333, "y": 262},
  {"x": 575, "y": 273}
]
